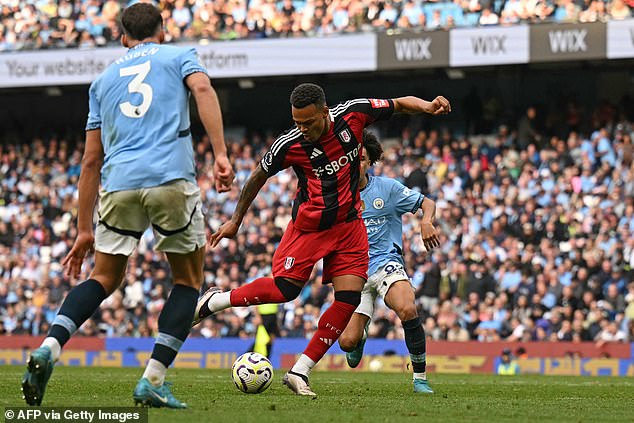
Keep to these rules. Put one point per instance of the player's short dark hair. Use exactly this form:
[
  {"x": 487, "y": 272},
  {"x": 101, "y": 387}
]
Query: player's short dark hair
[
  {"x": 306, "y": 94},
  {"x": 372, "y": 146},
  {"x": 141, "y": 21}
]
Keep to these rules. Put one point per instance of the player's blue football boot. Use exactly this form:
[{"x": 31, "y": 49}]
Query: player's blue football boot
[
  {"x": 149, "y": 395},
  {"x": 38, "y": 372},
  {"x": 421, "y": 386},
  {"x": 354, "y": 357}
]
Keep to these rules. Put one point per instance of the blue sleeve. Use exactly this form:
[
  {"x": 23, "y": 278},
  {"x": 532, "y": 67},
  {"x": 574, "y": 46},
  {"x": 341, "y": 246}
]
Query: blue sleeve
[
  {"x": 191, "y": 63},
  {"x": 404, "y": 199},
  {"x": 94, "y": 108}
]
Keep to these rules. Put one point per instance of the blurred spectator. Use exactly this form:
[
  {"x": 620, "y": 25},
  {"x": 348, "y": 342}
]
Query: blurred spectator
[
  {"x": 488, "y": 18},
  {"x": 527, "y": 132},
  {"x": 609, "y": 333},
  {"x": 618, "y": 10}
]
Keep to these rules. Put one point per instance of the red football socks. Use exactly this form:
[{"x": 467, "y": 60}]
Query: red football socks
[{"x": 331, "y": 325}]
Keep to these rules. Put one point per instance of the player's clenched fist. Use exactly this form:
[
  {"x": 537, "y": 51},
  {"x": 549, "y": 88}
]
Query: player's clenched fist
[{"x": 440, "y": 106}]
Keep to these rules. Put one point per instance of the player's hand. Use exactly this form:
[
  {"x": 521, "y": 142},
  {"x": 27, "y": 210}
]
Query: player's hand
[
  {"x": 430, "y": 236},
  {"x": 439, "y": 106},
  {"x": 227, "y": 230},
  {"x": 84, "y": 244},
  {"x": 223, "y": 173}
]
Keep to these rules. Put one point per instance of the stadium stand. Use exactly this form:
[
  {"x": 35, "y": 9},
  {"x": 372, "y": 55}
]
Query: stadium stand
[
  {"x": 26, "y": 25},
  {"x": 537, "y": 234}
]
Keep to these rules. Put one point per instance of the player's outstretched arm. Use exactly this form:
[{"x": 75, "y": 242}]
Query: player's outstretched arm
[
  {"x": 413, "y": 105},
  {"x": 428, "y": 231},
  {"x": 254, "y": 184},
  {"x": 211, "y": 117},
  {"x": 88, "y": 189}
]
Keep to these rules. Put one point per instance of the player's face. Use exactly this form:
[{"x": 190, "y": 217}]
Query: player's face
[{"x": 311, "y": 121}]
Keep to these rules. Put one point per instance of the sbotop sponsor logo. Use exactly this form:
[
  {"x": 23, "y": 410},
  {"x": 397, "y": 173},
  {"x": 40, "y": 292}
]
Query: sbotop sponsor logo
[{"x": 336, "y": 165}]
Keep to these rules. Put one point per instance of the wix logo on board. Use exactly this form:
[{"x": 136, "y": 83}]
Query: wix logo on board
[
  {"x": 568, "y": 41},
  {"x": 489, "y": 45},
  {"x": 408, "y": 49}
]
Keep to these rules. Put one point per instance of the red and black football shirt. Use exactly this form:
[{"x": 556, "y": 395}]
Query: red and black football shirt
[{"x": 328, "y": 169}]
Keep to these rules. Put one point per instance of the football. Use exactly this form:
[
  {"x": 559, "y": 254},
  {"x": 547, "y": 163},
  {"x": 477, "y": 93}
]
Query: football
[{"x": 252, "y": 373}]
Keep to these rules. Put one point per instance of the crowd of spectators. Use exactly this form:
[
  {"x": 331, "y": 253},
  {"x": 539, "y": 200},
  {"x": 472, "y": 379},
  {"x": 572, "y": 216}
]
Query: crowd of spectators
[
  {"x": 537, "y": 235},
  {"x": 30, "y": 24}
]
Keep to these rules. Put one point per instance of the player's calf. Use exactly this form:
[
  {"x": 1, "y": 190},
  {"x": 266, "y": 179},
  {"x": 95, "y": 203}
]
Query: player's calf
[
  {"x": 355, "y": 332},
  {"x": 348, "y": 342},
  {"x": 260, "y": 291}
]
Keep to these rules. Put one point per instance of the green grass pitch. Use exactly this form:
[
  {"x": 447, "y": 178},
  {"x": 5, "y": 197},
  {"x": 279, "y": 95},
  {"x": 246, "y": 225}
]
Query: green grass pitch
[{"x": 347, "y": 397}]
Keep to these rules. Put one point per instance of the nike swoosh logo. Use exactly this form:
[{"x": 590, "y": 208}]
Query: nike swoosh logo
[{"x": 158, "y": 397}]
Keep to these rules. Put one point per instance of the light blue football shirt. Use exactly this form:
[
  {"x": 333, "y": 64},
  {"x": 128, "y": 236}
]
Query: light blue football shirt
[
  {"x": 141, "y": 104},
  {"x": 384, "y": 202}
]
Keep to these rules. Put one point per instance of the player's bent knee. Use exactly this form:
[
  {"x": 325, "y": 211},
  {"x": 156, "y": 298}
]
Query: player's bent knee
[
  {"x": 348, "y": 297},
  {"x": 289, "y": 290}
]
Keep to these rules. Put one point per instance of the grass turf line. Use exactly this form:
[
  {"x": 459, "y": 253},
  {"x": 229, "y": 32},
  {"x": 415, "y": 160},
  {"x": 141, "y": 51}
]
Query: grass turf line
[{"x": 346, "y": 397}]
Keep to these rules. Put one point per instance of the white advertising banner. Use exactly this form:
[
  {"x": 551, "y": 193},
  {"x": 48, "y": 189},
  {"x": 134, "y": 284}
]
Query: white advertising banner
[
  {"x": 621, "y": 39},
  {"x": 489, "y": 46},
  {"x": 229, "y": 59}
]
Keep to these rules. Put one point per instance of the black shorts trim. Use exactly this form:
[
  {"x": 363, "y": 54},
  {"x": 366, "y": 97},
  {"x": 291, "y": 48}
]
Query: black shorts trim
[{"x": 166, "y": 232}]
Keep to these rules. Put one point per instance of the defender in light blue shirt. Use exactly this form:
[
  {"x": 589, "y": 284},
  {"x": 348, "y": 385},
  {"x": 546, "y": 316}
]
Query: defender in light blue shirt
[
  {"x": 138, "y": 144},
  {"x": 384, "y": 202},
  {"x": 141, "y": 104}
]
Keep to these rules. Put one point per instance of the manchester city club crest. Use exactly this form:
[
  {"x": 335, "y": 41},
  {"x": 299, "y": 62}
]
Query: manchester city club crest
[{"x": 378, "y": 203}]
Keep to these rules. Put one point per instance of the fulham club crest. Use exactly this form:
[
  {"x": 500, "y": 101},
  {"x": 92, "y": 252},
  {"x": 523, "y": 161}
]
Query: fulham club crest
[
  {"x": 345, "y": 135},
  {"x": 289, "y": 262}
]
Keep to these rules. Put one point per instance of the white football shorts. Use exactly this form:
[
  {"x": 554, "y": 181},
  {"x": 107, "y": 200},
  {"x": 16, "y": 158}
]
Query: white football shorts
[
  {"x": 378, "y": 284},
  {"x": 173, "y": 209}
]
